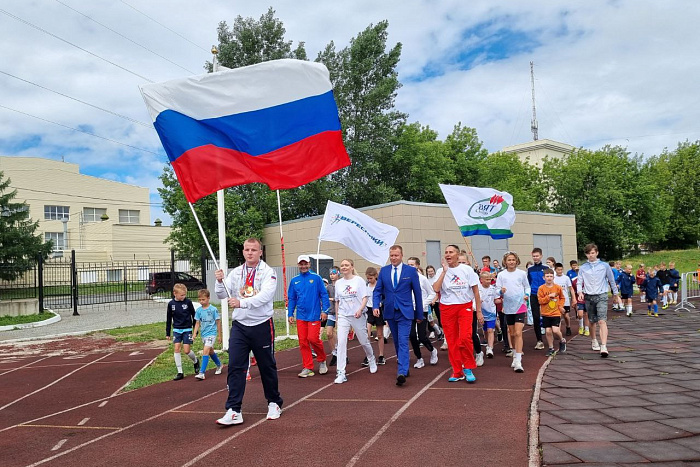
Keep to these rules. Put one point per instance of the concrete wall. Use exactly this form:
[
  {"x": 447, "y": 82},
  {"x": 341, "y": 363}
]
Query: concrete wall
[
  {"x": 23, "y": 307},
  {"x": 417, "y": 222},
  {"x": 536, "y": 151}
]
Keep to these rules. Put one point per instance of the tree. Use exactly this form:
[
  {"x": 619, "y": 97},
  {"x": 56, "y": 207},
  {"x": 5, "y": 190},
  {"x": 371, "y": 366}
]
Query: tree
[
  {"x": 506, "y": 172},
  {"x": 19, "y": 244},
  {"x": 466, "y": 153}
]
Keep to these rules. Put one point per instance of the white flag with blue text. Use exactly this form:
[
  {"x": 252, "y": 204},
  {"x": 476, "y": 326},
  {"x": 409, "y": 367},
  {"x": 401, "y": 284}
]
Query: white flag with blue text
[{"x": 359, "y": 232}]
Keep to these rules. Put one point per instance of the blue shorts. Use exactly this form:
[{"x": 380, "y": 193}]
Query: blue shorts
[
  {"x": 184, "y": 337},
  {"x": 490, "y": 324}
]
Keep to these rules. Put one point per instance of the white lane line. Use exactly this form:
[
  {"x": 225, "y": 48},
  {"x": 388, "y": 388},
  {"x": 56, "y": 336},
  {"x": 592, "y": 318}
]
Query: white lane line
[
  {"x": 135, "y": 353},
  {"x": 133, "y": 377},
  {"x": 59, "y": 444},
  {"x": 23, "y": 366},
  {"x": 141, "y": 422},
  {"x": 83, "y": 421},
  {"x": 259, "y": 422},
  {"x": 52, "y": 383},
  {"x": 395, "y": 417},
  {"x": 103, "y": 403}
]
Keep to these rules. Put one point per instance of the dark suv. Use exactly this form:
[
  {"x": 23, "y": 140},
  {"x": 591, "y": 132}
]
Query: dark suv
[{"x": 161, "y": 281}]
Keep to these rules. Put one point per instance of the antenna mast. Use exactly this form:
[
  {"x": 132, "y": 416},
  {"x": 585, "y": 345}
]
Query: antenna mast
[{"x": 533, "y": 123}]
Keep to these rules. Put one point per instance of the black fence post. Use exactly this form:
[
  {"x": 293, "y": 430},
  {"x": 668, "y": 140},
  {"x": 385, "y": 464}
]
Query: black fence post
[
  {"x": 40, "y": 281},
  {"x": 203, "y": 259},
  {"x": 172, "y": 272},
  {"x": 126, "y": 293},
  {"x": 74, "y": 283}
]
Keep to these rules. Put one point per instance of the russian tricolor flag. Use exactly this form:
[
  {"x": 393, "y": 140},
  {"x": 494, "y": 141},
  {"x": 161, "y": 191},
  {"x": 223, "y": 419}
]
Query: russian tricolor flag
[{"x": 275, "y": 123}]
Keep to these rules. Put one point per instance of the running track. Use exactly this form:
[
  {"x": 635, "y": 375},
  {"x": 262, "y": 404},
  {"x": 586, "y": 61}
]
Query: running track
[{"x": 68, "y": 411}]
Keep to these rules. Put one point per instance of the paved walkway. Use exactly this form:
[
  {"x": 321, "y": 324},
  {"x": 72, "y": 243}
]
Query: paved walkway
[{"x": 641, "y": 405}]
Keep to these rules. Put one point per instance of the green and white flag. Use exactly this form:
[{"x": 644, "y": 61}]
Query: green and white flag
[{"x": 480, "y": 211}]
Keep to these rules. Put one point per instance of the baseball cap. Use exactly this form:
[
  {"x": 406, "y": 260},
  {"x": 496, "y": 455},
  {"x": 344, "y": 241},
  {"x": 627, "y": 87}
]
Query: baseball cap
[{"x": 303, "y": 258}]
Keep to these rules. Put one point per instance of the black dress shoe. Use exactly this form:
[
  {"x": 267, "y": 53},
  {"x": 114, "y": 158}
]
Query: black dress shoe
[{"x": 400, "y": 380}]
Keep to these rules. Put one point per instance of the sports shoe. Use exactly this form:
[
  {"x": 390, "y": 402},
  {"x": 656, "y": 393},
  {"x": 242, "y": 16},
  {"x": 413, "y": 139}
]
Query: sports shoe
[
  {"x": 334, "y": 361},
  {"x": 322, "y": 368},
  {"x": 231, "y": 418},
  {"x": 629, "y": 313},
  {"x": 273, "y": 411},
  {"x": 432, "y": 335},
  {"x": 455, "y": 377},
  {"x": 604, "y": 351},
  {"x": 568, "y": 331},
  {"x": 196, "y": 366},
  {"x": 373, "y": 365},
  {"x": 649, "y": 313},
  {"x": 381, "y": 360},
  {"x": 499, "y": 336},
  {"x": 199, "y": 376},
  {"x": 313, "y": 353},
  {"x": 434, "y": 356},
  {"x": 664, "y": 306},
  {"x": 518, "y": 367},
  {"x": 443, "y": 346},
  {"x": 580, "y": 331},
  {"x": 489, "y": 352},
  {"x": 509, "y": 353},
  {"x": 562, "y": 345},
  {"x": 587, "y": 332},
  {"x": 400, "y": 380},
  {"x": 178, "y": 377},
  {"x": 550, "y": 352},
  {"x": 539, "y": 345},
  {"x": 365, "y": 362},
  {"x": 656, "y": 315},
  {"x": 340, "y": 378},
  {"x": 469, "y": 376},
  {"x": 305, "y": 373},
  {"x": 253, "y": 361},
  {"x": 595, "y": 345},
  {"x": 218, "y": 370},
  {"x": 247, "y": 376},
  {"x": 419, "y": 363},
  {"x": 480, "y": 359}
]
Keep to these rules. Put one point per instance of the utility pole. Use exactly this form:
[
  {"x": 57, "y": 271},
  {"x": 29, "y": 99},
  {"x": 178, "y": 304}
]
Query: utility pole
[{"x": 533, "y": 123}]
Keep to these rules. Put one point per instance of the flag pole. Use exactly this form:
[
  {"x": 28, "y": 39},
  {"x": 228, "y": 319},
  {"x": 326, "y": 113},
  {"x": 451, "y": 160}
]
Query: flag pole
[
  {"x": 469, "y": 250},
  {"x": 221, "y": 216},
  {"x": 284, "y": 271}
]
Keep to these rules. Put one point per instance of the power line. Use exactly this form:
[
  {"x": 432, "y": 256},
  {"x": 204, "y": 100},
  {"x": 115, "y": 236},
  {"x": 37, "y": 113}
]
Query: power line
[
  {"x": 72, "y": 44},
  {"x": 138, "y": 122},
  {"x": 123, "y": 36},
  {"x": 81, "y": 131},
  {"x": 164, "y": 26}
]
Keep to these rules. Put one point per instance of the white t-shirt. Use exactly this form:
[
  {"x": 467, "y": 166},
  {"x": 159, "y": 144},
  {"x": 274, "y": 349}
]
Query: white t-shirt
[
  {"x": 457, "y": 285},
  {"x": 426, "y": 289},
  {"x": 370, "y": 292},
  {"x": 488, "y": 306},
  {"x": 517, "y": 287},
  {"x": 349, "y": 294},
  {"x": 564, "y": 282}
]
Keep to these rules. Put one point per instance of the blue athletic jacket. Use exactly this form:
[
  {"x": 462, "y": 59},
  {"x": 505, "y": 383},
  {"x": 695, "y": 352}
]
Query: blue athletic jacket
[
  {"x": 675, "y": 277},
  {"x": 180, "y": 315},
  {"x": 535, "y": 276},
  {"x": 625, "y": 283},
  {"x": 307, "y": 293},
  {"x": 652, "y": 286}
]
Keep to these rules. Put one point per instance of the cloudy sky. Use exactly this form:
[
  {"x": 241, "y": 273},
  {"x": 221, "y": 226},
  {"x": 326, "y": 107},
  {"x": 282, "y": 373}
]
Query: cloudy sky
[{"x": 617, "y": 72}]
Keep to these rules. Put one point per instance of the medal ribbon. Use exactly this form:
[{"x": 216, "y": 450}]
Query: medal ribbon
[{"x": 250, "y": 277}]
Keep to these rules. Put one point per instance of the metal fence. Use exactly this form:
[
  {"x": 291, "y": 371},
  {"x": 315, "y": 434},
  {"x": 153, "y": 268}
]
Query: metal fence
[{"x": 690, "y": 289}]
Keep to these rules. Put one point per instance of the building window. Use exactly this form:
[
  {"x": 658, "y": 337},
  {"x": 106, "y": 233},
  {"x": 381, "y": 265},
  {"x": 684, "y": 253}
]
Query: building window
[
  {"x": 129, "y": 216},
  {"x": 57, "y": 238},
  {"x": 93, "y": 214},
  {"x": 52, "y": 213}
]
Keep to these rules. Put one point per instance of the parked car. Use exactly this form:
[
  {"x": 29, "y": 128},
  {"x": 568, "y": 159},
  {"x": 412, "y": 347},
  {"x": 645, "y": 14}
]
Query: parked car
[{"x": 161, "y": 282}]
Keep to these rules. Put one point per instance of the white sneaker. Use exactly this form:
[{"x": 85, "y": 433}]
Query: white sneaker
[
  {"x": 373, "y": 365},
  {"x": 432, "y": 335},
  {"x": 489, "y": 352},
  {"x": 434, "y": 356},
  {"x": 231, "y": 418},
  {"x": 322, "y": 368},
  {"x": 595, "y": 345},
  {"x": 273, "y": 411},
  {"x": 199, "y": 376},
  {"x": 480, "y": 359},
  {"x": 444, "y": 346},
  {"x": 218, "y": 370},
  {"x": 419, "y": 363},
  {"x": 512, "y": 364},
  {"x": 539, "y": 345},
  {"x": 604, "y": 351},
  {"x": 518, "y": 367},
  {"x": 340, "y": 379}
]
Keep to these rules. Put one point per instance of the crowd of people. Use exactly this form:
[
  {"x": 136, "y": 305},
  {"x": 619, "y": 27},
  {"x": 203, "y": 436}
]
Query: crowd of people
[{"x": 415, "y": 307}]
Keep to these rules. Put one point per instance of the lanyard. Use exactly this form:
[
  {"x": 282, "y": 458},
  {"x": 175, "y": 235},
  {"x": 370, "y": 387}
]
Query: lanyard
[{"x": 249, "y": 275}]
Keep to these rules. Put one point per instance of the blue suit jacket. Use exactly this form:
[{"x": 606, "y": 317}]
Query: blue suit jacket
[{"x": 399, "y": 298}]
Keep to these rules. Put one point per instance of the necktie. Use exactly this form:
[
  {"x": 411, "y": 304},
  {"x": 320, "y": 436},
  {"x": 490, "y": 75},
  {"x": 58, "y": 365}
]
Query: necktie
[{"x": 396, "y": 276}]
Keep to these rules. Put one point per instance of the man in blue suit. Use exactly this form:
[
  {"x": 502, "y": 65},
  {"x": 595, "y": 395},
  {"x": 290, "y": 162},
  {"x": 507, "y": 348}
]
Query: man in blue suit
[{"x": 398, "y": 288}]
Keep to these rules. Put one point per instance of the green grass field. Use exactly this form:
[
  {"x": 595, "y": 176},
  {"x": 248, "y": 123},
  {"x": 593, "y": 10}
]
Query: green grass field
[
  {"x": 13, "y": 320},
  {"x": 163, "y": 368},
  {"x": 686, "y": 260}
]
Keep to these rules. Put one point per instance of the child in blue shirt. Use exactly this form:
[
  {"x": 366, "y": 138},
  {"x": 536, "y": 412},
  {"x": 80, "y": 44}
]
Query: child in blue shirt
[
  {"x": 652, "y": 287},
  {"x": 180, "y": 316},
  {"x": 208, "y": 324},
  {"x": 625, "y": 282},
  {"x": 675, "y": 280}
]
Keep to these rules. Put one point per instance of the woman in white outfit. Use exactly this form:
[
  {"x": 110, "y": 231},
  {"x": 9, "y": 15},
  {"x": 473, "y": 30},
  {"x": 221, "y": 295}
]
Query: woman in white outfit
[{"x": 351, "y": 306}]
